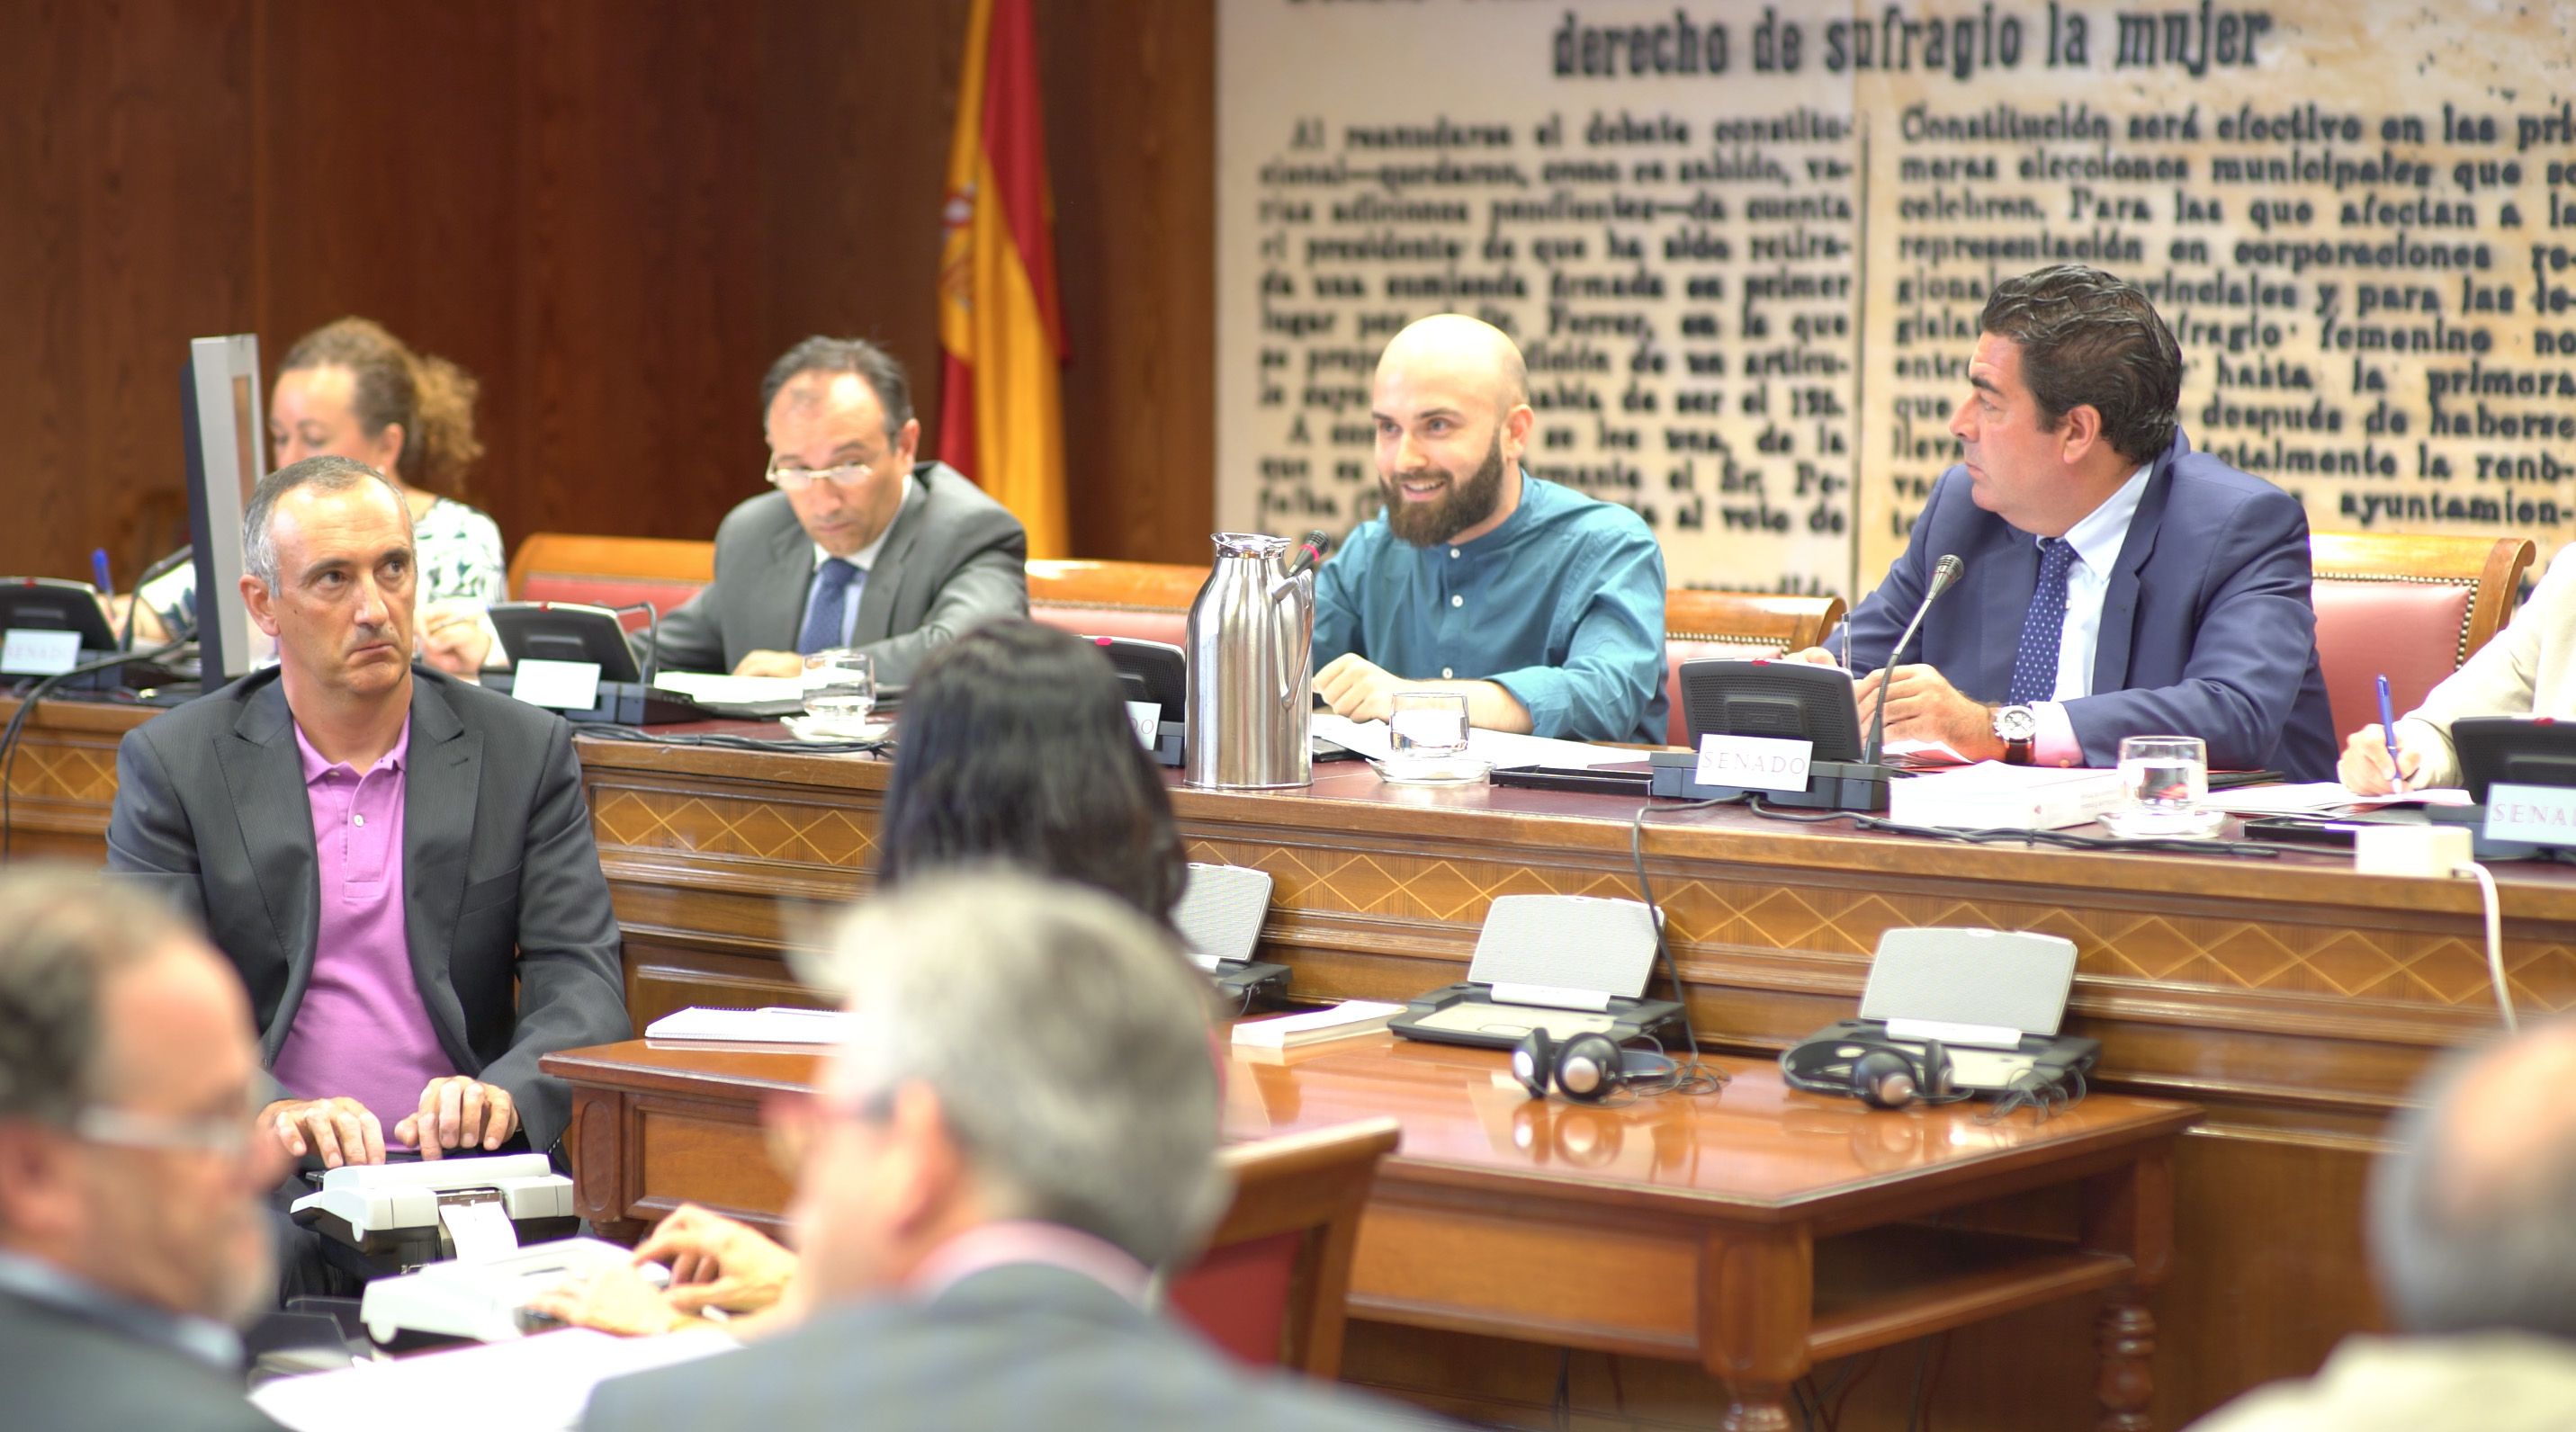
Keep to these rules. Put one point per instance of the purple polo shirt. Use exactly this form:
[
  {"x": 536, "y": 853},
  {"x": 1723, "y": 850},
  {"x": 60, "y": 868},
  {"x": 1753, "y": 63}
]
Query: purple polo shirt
[{"x": 362, "y": 1030}]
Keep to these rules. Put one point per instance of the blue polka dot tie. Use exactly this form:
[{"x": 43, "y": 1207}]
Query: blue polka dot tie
[{"x": 2034, "y": 675}]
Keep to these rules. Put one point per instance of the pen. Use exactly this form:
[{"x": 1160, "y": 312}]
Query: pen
[
  {"x": 98, "y": 569},
  {"x": 2388, "y": 729}
]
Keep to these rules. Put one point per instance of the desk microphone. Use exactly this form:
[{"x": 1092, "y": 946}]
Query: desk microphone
[
  {"x": 1944, "y": 573},
  {"x": 1309, "y": 552}
]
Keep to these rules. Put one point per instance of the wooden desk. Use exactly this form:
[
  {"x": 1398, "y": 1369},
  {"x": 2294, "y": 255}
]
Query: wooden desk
[
  {"x": 2293, "y": 1000},
  {"x": 1750, "y": 1233}
]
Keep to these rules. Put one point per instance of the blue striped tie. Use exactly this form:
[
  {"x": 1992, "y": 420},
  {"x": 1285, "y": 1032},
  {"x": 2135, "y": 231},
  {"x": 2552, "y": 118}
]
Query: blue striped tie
[
  {"x": 823, "y": 619},
  {"x": 2034, "y": 674}
]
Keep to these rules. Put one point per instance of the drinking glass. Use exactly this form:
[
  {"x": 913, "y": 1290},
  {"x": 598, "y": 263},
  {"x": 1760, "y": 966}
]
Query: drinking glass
[
  {"x": 1427, "y": 725},
  {"x": 840, "y": 692},
  {"x": 2166, "y": 779}
]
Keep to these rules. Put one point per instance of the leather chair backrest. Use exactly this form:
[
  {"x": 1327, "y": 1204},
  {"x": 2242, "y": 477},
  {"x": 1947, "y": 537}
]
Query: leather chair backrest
[
  {"x": 1240, "y": 1295},
  {"x": 600, "y": 591},
  {"x": 1141, "y": 623},
  {"x": 1678, "y": 649},
  {"x": 610, "y": 571},
  {"x": 2413, "y": 630}
]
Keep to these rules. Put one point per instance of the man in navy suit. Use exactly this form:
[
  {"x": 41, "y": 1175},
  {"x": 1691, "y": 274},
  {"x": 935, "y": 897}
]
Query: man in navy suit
[{"x": 2115, "y": 582}]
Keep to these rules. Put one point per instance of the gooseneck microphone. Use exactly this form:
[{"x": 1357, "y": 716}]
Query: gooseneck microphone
[
  {"x": 1310, "y": 551},
  {"x": 134, "y": 595},
  {"x": 1944, "y": 573}
]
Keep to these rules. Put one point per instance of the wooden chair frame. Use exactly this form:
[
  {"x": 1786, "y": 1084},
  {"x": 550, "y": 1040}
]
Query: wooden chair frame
[
  {"x": 1315, "y": 1184},
  {"x": 2492, "y": 567},
  {"x": 1749, "y": 618},
  {"x": 653, "y": 559}
]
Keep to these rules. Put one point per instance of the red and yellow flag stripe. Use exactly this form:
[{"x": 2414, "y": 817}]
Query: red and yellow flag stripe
[{"x": 1001, "y": 325}]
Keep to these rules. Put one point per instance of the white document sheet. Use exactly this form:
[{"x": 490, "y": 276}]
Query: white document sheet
[
  {"x": 772, "y": 1025},
  {"x": 534, "y": 1384},
  {"x": 1499, "y": 749},
  {"x": 2321, "y": 798},
  {"x": 719, "y": 689}
]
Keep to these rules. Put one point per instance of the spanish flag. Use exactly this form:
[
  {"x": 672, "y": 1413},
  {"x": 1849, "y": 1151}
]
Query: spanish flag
[{"x": 1001, "y": 419}]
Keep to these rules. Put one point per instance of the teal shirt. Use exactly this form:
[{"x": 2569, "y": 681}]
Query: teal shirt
[{"x": 1562, "y": 606}]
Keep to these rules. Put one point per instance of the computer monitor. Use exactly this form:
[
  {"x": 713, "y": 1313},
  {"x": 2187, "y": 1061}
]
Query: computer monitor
[{"x": 226, "y": 439}]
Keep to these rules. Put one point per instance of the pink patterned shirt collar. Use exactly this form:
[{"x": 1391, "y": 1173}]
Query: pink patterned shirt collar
[{"x": 994, "y": 1245}]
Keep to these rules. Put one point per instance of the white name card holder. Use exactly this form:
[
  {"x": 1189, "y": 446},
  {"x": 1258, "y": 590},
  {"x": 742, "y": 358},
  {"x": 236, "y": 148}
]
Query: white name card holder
[
  {"x": 557, "y": 685},
  {"x": 1754, "y": 763},
  {"x": 2534, "y": 815},
  {"x": 31, "y": 651}
]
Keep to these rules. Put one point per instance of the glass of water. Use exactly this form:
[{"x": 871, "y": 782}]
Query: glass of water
[
  {"x": 2166, "y": 779},
  {"x": 1426, "y": 740},
  {"x": 1427, "y": 725},
  {"x": 840, "y": 692}
]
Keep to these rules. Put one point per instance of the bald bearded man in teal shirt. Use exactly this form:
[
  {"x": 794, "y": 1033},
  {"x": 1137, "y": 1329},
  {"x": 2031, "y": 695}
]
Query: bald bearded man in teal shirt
[{"x": 1543, "y": 607}]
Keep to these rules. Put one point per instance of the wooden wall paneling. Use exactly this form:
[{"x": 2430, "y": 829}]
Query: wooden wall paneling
[
  {"x": 638, "y": 253},
  {"x": 124, "y": 228},
  {"x": 854, "y": 106},
  {"x": 387, "y": 158},
  {"x": 1131, "y": 147},
  {"x": 614, "y": 216}
]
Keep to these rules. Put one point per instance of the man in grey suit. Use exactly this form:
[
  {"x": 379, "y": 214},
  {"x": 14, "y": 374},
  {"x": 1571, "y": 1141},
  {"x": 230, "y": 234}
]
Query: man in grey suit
[
  {"x": 399, "y": 865},
  {"x": 1020, "y": 1122},
  {"x": 131, "y": 1232},
  {"x": 859, "y": 546}
]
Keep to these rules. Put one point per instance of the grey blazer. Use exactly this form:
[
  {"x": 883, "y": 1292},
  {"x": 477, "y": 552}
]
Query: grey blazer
[
  {"x": 1025, "y": 1345},
  {"x": 504, "y": 905},
  {"x": 955, "y": 559},
  {"x": 65, "y": 1373}
]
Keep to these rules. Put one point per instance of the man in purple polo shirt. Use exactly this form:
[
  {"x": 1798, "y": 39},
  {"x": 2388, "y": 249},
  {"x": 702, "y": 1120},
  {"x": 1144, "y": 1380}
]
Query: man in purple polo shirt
[{"x": 400, "y": 865}]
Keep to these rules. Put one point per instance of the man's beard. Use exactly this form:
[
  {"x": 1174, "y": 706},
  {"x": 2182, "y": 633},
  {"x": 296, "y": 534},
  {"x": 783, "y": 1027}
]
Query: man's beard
[{"x": 1428, "y": 524}]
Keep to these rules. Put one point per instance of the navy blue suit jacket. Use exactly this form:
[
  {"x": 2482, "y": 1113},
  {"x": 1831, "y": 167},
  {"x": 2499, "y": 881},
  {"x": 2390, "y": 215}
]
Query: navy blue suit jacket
[{"x": 2206, "y": 628}]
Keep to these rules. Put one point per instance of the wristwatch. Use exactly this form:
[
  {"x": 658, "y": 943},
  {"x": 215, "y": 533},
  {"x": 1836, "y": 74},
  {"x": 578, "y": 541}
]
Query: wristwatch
[{"x": 2018, "y": 729}]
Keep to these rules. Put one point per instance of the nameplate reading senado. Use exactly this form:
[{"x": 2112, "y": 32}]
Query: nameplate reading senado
[
  {"x": 2535, "y": 815},
  {"x": 1754, "y": 763}
]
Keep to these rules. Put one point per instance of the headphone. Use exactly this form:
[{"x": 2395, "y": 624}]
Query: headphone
[
  {"x": 1587, "y": 1068},
  {"x": 1878, "y": 1072}
]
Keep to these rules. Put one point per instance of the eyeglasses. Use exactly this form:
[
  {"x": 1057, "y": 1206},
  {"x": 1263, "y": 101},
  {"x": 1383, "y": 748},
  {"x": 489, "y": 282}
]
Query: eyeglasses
[
  {"x": 226, "y": 1136},
  {"x": 797, "y": 479},
  {"x": 792, "y": 1120}
]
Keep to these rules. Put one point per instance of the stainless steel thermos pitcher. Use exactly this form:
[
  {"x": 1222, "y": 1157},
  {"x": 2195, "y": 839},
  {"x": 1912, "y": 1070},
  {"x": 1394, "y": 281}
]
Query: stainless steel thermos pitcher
[{"x": 1251, "y": 647}]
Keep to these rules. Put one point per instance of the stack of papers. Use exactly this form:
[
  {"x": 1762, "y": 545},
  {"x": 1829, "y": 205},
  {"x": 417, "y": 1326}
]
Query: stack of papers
[
  {"x": 714, "y": 687},
  {"x": 1993, "y": 796},
  {"x": 2321, "y": 798},
  {"x": 536, "y": 1384},
  {"x": 1341, "y": 1021},
  {"x": 773, "y": 1025}
]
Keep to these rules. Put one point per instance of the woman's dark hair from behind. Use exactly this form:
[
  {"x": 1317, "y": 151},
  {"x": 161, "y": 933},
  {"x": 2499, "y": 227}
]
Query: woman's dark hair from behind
[{"x": 1014, "y": 744}]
